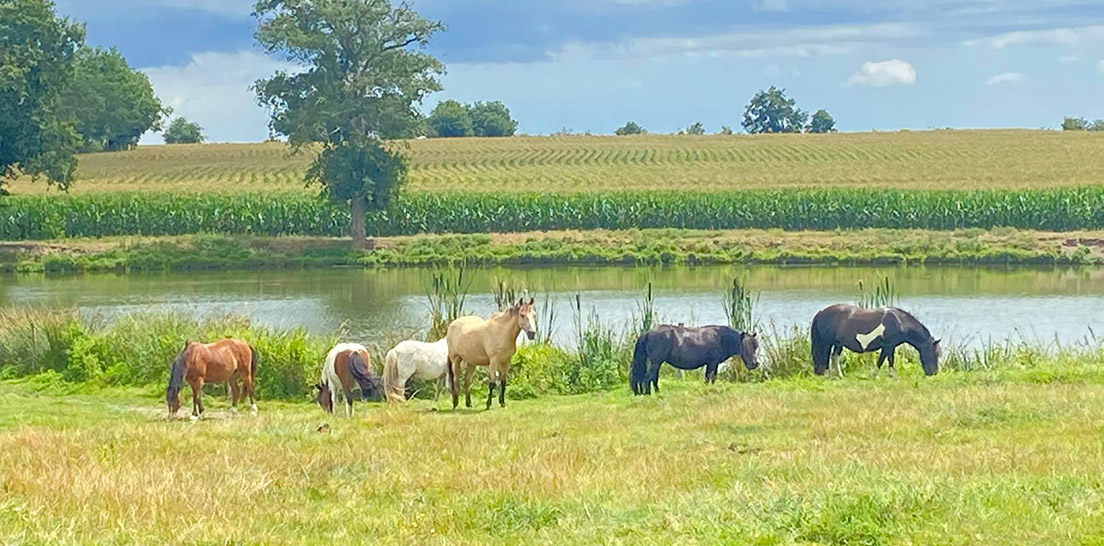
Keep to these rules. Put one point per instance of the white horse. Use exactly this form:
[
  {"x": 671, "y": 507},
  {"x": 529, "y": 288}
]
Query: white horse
[{"x": 417, "y": 359}]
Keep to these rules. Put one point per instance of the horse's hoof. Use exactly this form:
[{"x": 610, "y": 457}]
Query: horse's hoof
[
  {"x": 253, "y": 409},
  {"x": 234, "y": 410},
  {"x": 193, "y": 417}
]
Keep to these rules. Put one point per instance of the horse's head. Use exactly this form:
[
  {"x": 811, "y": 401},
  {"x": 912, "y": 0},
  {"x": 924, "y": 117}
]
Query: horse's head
[
  {"x": 323, "y": 397},
  {"x": 749, "y": 350},
  {"x": 526, "y": 316},
  {"x": 371, "y": 390},
  {"x": 929, "y": 356}
]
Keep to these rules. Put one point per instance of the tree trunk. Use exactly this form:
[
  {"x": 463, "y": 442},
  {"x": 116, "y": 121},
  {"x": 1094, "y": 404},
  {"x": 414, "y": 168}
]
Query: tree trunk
[{"x": 358, "y": 211}]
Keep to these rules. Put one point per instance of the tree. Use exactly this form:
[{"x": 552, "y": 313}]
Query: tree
[
  {"x": 771, "y": 111},
  {"x": 362, "y": 75},
  {"x": 696, "y": 129},
  {"x": 109, "y": 103},
  {"x": 451, "y": 119},
  {"x": 36, "y": 65},
  {"x": 725, "y": 130},
  {"x": 631, "y": 128},
  {"x": 1075, "y": 124},
  {"x": 491, "y": 119},
  {"x": 182, "y": 131},
  {"x": 822, "y": 122},
  {"x": 1097, "y": 125}
]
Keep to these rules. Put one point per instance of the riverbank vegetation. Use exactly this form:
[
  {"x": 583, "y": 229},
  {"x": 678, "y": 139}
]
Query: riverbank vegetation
[
  {"x": 999, "y": 246},
  {"x": 1004, "y": 453}
]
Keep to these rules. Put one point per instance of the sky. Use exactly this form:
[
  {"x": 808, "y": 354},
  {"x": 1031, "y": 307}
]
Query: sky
[{"x": 592, "y": 65}]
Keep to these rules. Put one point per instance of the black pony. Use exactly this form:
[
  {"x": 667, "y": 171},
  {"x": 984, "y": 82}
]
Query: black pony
[
  {"x": 868, "y": 330},
  {"x": 688, "y": 349}
]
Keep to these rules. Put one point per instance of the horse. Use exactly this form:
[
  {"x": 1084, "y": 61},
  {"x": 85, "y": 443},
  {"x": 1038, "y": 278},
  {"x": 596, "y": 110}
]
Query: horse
[
  {"x": 688, "y": 349},
  {"x": 225, "y": 360},
  {"x": 492, "y": 343},
  {"x": 868, "y": 330},
  {"x": 418, "y": 359},
  {"x": 346, "y": 367}
]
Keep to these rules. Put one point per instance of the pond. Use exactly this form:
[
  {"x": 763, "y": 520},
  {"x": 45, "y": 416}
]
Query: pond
[{"x": 963, "y": 305}]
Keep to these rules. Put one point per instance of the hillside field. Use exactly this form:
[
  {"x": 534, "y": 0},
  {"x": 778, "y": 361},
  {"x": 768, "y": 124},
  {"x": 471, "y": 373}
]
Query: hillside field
[
  {"x": 1010, "y": 159},
  {"x": 960, "y": 458}
]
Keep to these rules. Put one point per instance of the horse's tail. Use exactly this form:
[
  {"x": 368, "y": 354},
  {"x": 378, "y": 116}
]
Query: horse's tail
[
  {"x": 252, "y": 362},
  {"x": 391, "y": 386},
  {"x": 359, "y": 368},
  {"x": 821, "y": 346},
  {"x": 451, "y": 373},
  {"x": 176, "y": 378},
  {"x": 639, "y": 370}
]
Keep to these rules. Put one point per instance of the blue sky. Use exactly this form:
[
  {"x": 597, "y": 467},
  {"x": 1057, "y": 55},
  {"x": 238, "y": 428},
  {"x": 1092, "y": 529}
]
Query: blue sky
[{"x": 591, "y": 65}]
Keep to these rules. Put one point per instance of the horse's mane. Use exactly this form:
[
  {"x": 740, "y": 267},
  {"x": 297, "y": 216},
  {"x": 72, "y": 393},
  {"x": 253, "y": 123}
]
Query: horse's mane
[{"x": 913, "y": 324}]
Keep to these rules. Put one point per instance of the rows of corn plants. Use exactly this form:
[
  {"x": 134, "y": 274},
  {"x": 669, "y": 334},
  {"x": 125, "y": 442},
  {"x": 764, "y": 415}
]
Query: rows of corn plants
[{"x": 295, "y": 213}]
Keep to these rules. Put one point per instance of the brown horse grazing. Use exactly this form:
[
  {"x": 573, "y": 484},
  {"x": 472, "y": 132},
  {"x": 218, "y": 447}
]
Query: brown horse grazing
[
  {"x": 867, "y": 330},
  {"x": 346, "y": 368},
  {"x": 225, "y": 360},
  {"x": 492, "y": 343},
  {"x": 688, "y": 349}
]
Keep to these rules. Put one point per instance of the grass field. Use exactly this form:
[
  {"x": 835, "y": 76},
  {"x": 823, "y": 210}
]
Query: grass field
[
  {"x": 963, "y": 458},
  {"x": 905, "y": 160}
]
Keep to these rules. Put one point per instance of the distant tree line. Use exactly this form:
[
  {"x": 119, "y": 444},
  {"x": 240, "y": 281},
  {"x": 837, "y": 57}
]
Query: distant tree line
[
  {"x": 1082, "y": 124},
  {"x": 482, "y": 119},
  {"x": 769, "y": 111}
]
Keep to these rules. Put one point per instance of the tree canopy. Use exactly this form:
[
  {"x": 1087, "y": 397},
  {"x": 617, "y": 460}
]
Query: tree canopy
[
  {"x": 109, "y": 103},
  {"x": 771, "y": 111},
  {"x": 821, "y": 122},
  {"x": 37, "y": 49},
  {"x": 630, "y": 128},
  {"x": 696, "y": 129},
  {"x": 362, "y": 74},
  {"x": 491, "y": 119},
  {"x": 182, "y": 131},
  {"x": 450, "y": 119}
]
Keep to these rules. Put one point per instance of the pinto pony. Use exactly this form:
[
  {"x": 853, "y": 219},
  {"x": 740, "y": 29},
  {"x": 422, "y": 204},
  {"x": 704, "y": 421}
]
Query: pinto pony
[
  {"x": 868, "y": 330},
  {"x": 346, "y": 367},
  {"x": 473, "y": 342},
  {"x": 417, "y": 359},
  {"x": 688, "y": 349},
  {"x": 225, "y": 360}
]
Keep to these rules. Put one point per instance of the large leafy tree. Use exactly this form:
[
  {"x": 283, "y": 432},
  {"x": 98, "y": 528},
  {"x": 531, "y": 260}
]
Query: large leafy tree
[
  {"x": 450, "y": 119},
  {"x": 492, "y": 119},
  {"x": 771, "y": 111},
  {"x": 630, "y": 128},
  {"x": 363, "y": 72},
  {"x": 182, "y": 131},
  {"x": 821, "y": 122},
  {"x": 110, "y": 103},
  {"x": 36, "y": 65}
]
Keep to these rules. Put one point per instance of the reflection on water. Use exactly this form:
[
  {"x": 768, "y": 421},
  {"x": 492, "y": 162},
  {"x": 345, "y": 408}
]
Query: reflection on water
[{"x": 964, "y": 305}]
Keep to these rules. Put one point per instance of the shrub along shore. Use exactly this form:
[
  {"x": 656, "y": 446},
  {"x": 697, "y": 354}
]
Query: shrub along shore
[
  {"x": 37, "y": 217},
  {"x": 596, "y": 247}
]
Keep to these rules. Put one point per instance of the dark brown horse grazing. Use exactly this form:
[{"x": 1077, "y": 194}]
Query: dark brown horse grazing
[
  {"x": 225, "y": 360},
  {"x": 869, "y": 330},
  {"x": 688, "y": 349}
]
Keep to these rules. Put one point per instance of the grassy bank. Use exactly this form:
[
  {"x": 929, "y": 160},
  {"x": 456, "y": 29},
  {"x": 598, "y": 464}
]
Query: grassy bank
[
  {"x": 274, "y": 213},
  {"x": 986, "y": 458},
  {"x": 596, "y": 247},
  {"x": 902, "y": 160}
]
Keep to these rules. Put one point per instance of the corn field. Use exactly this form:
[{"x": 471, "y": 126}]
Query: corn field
[{"x": 273, "y": 214}]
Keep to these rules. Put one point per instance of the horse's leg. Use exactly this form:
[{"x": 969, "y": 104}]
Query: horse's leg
[
  {"x": 711, "y": 373},
  {"x": 881, "y": 358},
  {"x": 197, "y": 398},
  {"x": 653, "y": 377},
  {"x": 836, "y": 350},
  {"x": 502, "y": 389},
  {"x": 235, "y": 393},
  {"x": 468, "y": 371},
  {"x": 348, "y": 401},
  {"x": 892, "y": 357},
  {"x": 334, "y": 398}
]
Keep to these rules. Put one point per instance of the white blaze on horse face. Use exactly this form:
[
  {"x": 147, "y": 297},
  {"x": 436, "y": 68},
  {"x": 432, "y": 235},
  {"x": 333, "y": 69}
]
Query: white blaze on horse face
[{"x": 866, "y": 339}]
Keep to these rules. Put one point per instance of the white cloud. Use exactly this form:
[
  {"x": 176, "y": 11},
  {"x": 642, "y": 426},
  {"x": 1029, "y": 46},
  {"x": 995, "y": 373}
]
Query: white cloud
[
  {"x": 1005, "y": 77},
  {"x": 1050, "y": 36},
  {"x": 817, "y": 41},
  {"x": 882, "y": 74},
  {"x": 213, "y": 90}
]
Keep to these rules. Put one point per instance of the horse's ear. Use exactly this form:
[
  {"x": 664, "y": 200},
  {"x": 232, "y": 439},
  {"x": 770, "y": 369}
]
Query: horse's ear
[
  {"x": 936, "y": 342},
  {"x": 532, "y": 301}
]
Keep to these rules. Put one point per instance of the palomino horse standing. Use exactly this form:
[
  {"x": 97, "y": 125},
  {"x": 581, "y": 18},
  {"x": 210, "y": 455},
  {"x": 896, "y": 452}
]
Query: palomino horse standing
[
  {"x": 688, "y": 349},
  {"x": 492, "y": 343},
  {"x": 346, "y": 367},
  {"x": 417, "y": 359},
  {"x": 225, "y": 360},
  {"x": 868, "y": 330}
]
